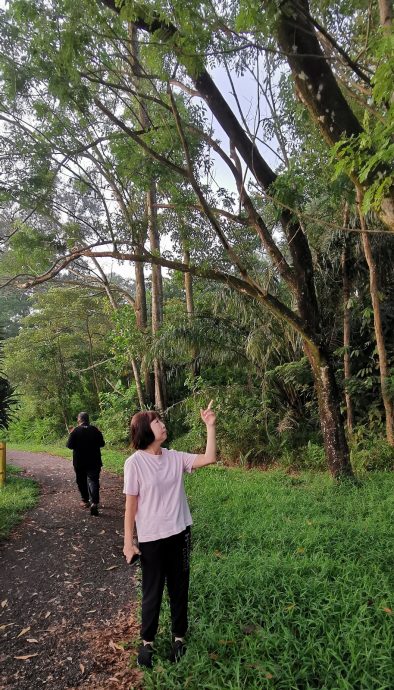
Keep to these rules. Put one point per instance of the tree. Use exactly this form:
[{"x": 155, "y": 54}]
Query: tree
[{"x": 85, "y": 75}]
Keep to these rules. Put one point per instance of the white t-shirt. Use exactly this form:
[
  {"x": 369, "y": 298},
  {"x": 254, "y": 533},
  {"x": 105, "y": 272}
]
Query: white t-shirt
[{"x": 157, "y": 480}]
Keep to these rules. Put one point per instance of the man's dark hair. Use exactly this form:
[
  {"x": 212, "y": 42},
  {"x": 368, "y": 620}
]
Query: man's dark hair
[
  {"x": 141, "y": 433},
  {"x": 83, "y": 417}
]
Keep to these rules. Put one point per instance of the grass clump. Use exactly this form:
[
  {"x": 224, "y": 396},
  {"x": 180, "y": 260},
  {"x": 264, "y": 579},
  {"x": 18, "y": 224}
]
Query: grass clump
[
  {"x": 18, "y": 495},
  {"x": 290, "y": 585}
]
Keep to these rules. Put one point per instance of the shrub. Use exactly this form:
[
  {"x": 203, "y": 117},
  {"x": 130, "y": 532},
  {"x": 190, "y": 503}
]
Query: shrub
[{"x": 372, "y": 455}]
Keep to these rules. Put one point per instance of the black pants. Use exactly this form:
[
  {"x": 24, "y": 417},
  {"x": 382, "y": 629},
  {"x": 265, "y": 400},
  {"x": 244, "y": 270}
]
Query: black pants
[
  {"x": 88, "y": 483},
  {"x": 165, "y": 560}
]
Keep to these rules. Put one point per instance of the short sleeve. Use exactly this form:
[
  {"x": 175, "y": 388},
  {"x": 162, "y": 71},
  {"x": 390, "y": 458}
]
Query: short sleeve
[
  {"x": 131, "y": 483},
  {"x": 187, "y": 460}
]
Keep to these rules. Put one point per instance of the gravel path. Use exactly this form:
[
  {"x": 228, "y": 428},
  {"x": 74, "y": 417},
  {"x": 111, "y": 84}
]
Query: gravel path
[{"x": 66, "y": 606}]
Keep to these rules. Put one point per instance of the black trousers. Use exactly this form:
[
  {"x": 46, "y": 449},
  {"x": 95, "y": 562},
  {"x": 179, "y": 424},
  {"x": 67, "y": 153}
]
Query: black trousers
[
  {"x": 88, "y": 482},
  {"x": 165, "y": 561}
]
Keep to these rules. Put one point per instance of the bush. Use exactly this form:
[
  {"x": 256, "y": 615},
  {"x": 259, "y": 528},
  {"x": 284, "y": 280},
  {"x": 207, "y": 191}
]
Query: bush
[
  {"x": 372, "y": 455},
  {"x": 39, "y": 430},
  {"x": 117, "y": 408}
]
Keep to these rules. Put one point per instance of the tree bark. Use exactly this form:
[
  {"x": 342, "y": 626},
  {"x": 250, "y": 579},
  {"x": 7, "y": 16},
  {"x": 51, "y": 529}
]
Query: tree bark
[
  {"x": 190, "y": 309},
  {"x": 380, "y": 344},
  {"x": 331, "y": 422},
  {"x": 345, "y": 260},
  {"x": 137, "y": 379},
  {"x": 141, "y": 312},
  {"x": 157, "y": 296},
  {"x": 385, "y": 13}
]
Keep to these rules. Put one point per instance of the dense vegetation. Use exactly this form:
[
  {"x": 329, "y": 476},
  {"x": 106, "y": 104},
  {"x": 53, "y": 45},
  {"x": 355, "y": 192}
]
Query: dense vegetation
[{"x": 236, "y": 161}]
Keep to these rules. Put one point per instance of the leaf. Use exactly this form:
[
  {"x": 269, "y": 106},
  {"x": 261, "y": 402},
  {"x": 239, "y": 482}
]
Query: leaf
[
  {"x": 48, "y": 613},
  {"x": 4, "y": 603},
  {"x": 218, "y": 554},
  {"x": 23, "y": 632},
  {"x": 32, "y": 639},
  {"x": 213, "y": 656},
  {"x": 82, "y": 667},
  {"x": 115, "y": 647},
  {"x": 25, "y": 656},
  {"x": 6, "y": 625},
  {"x": 387, "y": 610},
  {"x": 111, "y": 567}
]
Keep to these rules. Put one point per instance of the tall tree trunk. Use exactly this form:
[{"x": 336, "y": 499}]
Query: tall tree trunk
[
  {"x": 345, "y": 260},
  {"x": 153, "y": 234},
  {"x": 380, "y": 344},
  {"x": 141, "y": 312},
  {"x": 190, "y": 308},
  {"x": 331, "y": 422},
  {"x": 157, "y": 295},
  {"x": 138, "y": 383},
  {"x": 385, "y": 13}
]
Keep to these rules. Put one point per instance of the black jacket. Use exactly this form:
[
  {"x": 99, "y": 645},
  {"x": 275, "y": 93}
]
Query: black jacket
[{"x": 85, "y": 441}]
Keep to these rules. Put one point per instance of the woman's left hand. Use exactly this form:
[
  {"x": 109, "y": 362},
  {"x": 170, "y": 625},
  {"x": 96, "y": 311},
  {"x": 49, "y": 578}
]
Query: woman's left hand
[{"x": 208, "y": 416}]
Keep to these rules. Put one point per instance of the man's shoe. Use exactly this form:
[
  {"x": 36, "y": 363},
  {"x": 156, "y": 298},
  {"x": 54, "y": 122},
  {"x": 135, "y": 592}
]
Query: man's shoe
[
  {"x": 177, "y": 651},
  {"x": 145, "y": 654},
  {"x": 94, "y": 509}
]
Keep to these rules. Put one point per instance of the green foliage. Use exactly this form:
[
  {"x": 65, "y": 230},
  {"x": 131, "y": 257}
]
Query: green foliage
[
  {"x": 371, "y": 454},
  {"x": 116, "y": 409},
  {"x": 370, "y": 155}
]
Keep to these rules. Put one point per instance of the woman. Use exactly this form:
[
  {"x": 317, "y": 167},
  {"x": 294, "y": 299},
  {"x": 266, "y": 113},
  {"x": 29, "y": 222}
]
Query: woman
[{"x": 156, "y": 504}]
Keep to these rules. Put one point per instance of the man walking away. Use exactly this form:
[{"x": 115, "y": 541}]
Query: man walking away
[{"x": 85, "y": 441}]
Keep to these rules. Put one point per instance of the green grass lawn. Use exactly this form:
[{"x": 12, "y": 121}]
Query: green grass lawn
[
  {"x": 18, "y": 495},
  {"x": 291, "y": 583}
]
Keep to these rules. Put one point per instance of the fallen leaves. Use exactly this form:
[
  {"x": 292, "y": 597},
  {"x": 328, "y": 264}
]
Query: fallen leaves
[
  {"x": 24, "y": 631},
  {"x": 25, "y": 657},
  {"x": 387, "y": 610},
  {"x": 111, "y": 567},
  {"x": 115, "y": 647},
  {"x": 4, "y": 603}
]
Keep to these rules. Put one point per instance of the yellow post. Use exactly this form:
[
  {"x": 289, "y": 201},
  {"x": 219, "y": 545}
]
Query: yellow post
[{"x": 2, "y": 464}]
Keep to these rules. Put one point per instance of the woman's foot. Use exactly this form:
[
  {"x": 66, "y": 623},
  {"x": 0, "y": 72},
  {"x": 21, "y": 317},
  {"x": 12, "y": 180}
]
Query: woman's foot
[
  {"x": 145, "y": 654},
  {"x": 84, "y": 504},
  {"x": 178, "y": 649}
]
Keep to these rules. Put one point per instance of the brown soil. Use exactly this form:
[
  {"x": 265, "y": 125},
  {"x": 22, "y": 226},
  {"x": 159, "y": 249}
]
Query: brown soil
[{"x": 66, "y": 593}]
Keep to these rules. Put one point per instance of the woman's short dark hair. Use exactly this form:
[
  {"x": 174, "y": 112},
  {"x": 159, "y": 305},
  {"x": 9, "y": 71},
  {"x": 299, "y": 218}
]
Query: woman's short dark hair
[{"x": 141, "y": 433}]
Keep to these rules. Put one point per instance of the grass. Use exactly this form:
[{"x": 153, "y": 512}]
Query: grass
[
  {"x": 291, "y": 583},
  {"x": 18, "y": 495}
]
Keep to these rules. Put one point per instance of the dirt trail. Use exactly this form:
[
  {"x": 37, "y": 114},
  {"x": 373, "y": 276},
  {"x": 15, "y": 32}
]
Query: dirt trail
[{"x": 65, "y": 590}]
